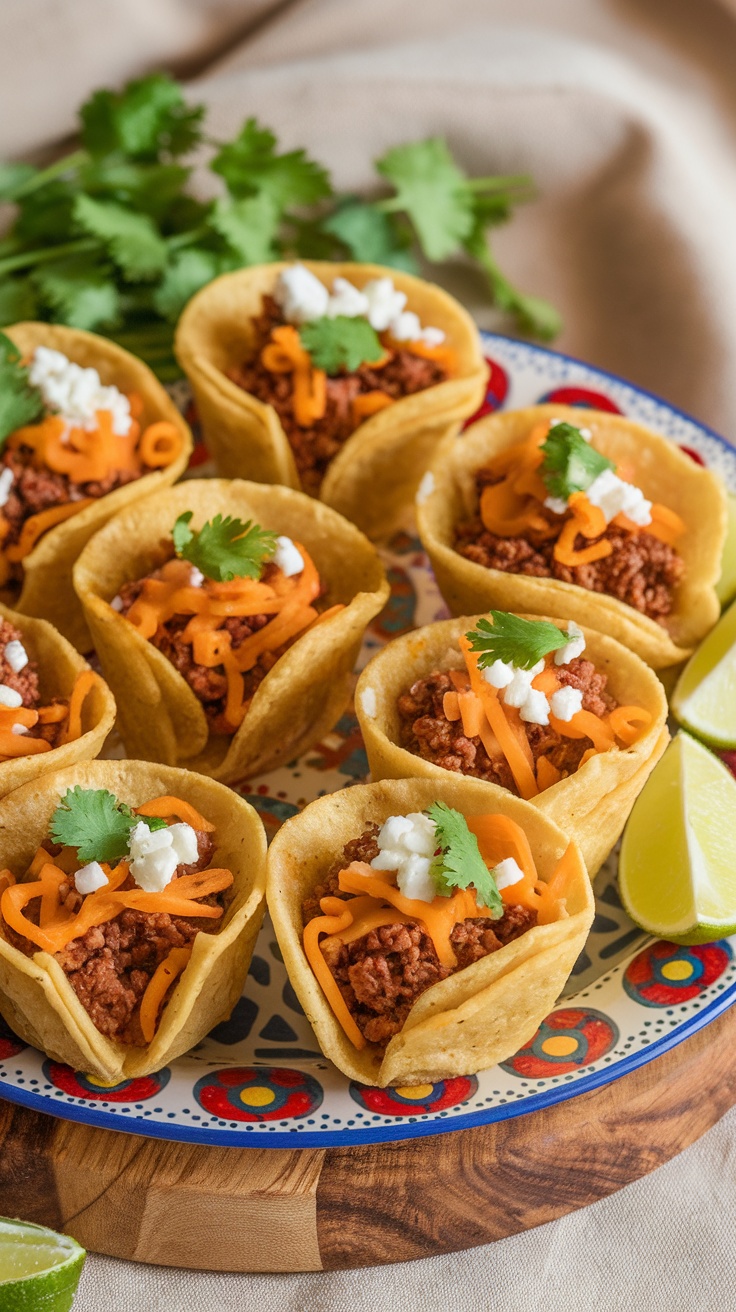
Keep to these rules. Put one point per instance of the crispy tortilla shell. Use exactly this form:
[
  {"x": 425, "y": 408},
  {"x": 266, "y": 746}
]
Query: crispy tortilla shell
[
  {"x": 58, "y": 664},
  {"x": 660, "y": 469},
  {"x": 299, "y": 700},
  {"x": 472, "y": 1019},
  {"x": 47, "y": 590},
  {"x": 378, "y": 469},
  {"x": 36, "y": 998},
  {"x": 593, "y": 804}
]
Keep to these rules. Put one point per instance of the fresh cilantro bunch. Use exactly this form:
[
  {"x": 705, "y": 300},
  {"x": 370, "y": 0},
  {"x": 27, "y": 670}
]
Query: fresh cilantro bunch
[
  {"x": 94, "y": 822},
  {"x": 458, "y": 862},
  {"x": 111, "y": 237},
  {"x": 20, "y": 402},
  {"x": 340, "y": 343},
  {"x": 224, "y": 548},
  {"x": 570, "y": 463},
  {"x": 513, "y": 640}
]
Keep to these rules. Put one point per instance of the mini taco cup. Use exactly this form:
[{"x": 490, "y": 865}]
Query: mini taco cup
[
  {"x": 36, "y": 998},
  {"x": 305, "y": 692},
  {"x": 46, "y": 589},
  {"x": 60, "y": 669},
  {"x": 592, "y": 804},
  {"x": 664, "y": 473},
  {"x": 473, "y": 1018},
  {"x": 378, "y": 468}
]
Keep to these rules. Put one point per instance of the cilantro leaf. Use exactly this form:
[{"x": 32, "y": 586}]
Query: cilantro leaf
[
  {"x": 248, "y": 226},
  {"x": 459, "y": 862},
  {"x": 570, "y": 463},
  {"x": 187, "y": 271},
  {"x": 251, "y": 165},
  {"x": 80, "y": 292},
  {"x": 434, "y": 193},
  {"x": 94, "y": 822},
  {"x": 147, "y": 117},
  {"x": 513, "y": 640},
  {"x": 13, "y": 178},
  {"x": 371, "y": 236},
  {"x": 224, "y": 549},
  {"x": 20, "y": 403},
  {"x": 17, "y": 300},
  {"x": 131, "y": 239},
  {"x": 340, "y": 343},
  {"x": 532, "y": 314}
]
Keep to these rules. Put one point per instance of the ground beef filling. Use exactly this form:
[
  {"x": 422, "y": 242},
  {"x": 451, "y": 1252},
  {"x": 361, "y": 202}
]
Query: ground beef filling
[
  {"x": 25, "y": 683},
  {"x": 640, "y": 571},
  {"x": 209, "y": 684},
  {"x": 382, "y": 974},
  {"x": 427, "y": 732},
  {"x": 315, "y": 447},
  {"x": 110, "y": 967},
  {"x": 36, "y": 489}
]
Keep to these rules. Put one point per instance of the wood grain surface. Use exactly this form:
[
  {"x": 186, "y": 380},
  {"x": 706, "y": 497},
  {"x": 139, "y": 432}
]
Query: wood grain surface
[{"x": 248, "y": 1209}]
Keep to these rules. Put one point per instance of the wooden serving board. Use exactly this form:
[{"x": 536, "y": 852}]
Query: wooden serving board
[{"x": 254, "y": 1209}]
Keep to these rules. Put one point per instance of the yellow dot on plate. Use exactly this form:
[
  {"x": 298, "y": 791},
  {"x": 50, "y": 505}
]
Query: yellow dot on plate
[
  {"x": 417, "y": 1091},
  {"x": 560, "y": 1045},
  {"x": 257, "y": 1097},
  {"x": 102, "y": 1084},
  {"x": 678, "y": 969}
]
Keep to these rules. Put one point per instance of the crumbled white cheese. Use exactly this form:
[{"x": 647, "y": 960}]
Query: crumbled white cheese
[
  {"x": 7, "y": 479},
  {"x": 90, "y": 878},
  {"x": 156, "y": 853},
  {"x": 517, "y": 691},
  {"x": 287, "y": 557},
  {"x": 565, "y": 703},
  {"x": 385, "y": 303},
  {"x": 406, "y": 327},
  {"x": 117, "y": 603},
  {"x": 300, "y": 295},
  {"x": 499, "y": 674},
  {"x": 612, "y": 495},
  {"x": 556, "y": 504},
  {"x": 9, "y": 697},
  {"x": 426, "y": 488},
  {"x": 346, "y": 300},
  {"x": 407, "y": 844},
  {"x": 507, "y": 872},
  {"x": 574, "y": 647},
  {"x": 76, "y": 393},
  {"x": 432, "y": 336},
  {"x": 196, "y": 577},
  {"x": 368, "y": 702},
  {"x": 535, "y": 707},
  {"x": 18, "y": 728},
  {"x": 16, "y": 655}
]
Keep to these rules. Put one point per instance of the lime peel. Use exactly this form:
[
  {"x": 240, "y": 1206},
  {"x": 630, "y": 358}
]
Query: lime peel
[
  {"x": 39, "y": 1269},
  {"x": 704, "y": 699}
]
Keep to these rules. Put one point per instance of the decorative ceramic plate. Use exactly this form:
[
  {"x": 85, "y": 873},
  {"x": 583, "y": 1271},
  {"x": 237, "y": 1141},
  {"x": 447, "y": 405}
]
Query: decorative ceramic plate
[{"x": 259, "y": 1078}]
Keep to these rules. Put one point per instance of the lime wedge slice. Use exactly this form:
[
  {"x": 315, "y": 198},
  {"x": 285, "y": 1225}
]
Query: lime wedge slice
[
  {"x": 704, "y": 699},
  {"x": 726, "y": 585},
  {"x": 39, "y": 1269},
  {"x": 677, "y": 875}
]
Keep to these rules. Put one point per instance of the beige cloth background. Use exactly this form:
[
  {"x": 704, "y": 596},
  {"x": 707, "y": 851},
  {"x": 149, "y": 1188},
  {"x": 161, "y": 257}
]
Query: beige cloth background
[{"x": 625, "y": 112}]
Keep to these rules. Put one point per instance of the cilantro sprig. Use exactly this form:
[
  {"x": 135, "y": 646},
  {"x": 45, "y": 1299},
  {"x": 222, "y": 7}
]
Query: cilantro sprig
[
  {"x": 111, "y": 237},
  {"x": 224, "y": 548},
  {"x": 513, "y": 640},
  {"x": 570, "y": 463},
  {"x": 340, "y": 343},
  {"x": 20, "y": 402},
  {"x": 458, "y": 863},
  {"x": 94, "y": 822}
]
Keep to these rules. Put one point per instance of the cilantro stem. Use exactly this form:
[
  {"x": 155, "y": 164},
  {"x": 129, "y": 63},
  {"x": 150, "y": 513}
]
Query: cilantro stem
[
  {"x": 55, "y": 170},
  {"x": 27, "y": 259},
  {"x": 389, "y": 205},
  {"x": 188, "y": 238},
  {"x": 500, "y": 183}
]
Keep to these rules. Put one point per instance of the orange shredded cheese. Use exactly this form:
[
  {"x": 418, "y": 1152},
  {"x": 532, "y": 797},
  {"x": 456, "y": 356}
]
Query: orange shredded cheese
[{"x": 158, "y": 986}]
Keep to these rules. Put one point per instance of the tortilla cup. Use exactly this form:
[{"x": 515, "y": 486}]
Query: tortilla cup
[
  {"x": 59, "y": 666},
  {"x": 36, "y": 998},
  {"x": 472, "y": 1019},
  {"x": 378, "y": 469},
  {"x": 299, "y": 700},
  {"x": 591, "y": 805},
  {"x": 660, "y": 469},
  {"x": 47, "y": 590}
]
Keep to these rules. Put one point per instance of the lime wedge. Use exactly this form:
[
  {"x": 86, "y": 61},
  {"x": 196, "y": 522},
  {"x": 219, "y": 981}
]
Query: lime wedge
[
  {"x": 39, "y": 1269},
  {"x": 726, "y": 585},
  {"x": 677, "y": 875},
  {"x": 704, "y": 699}
]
